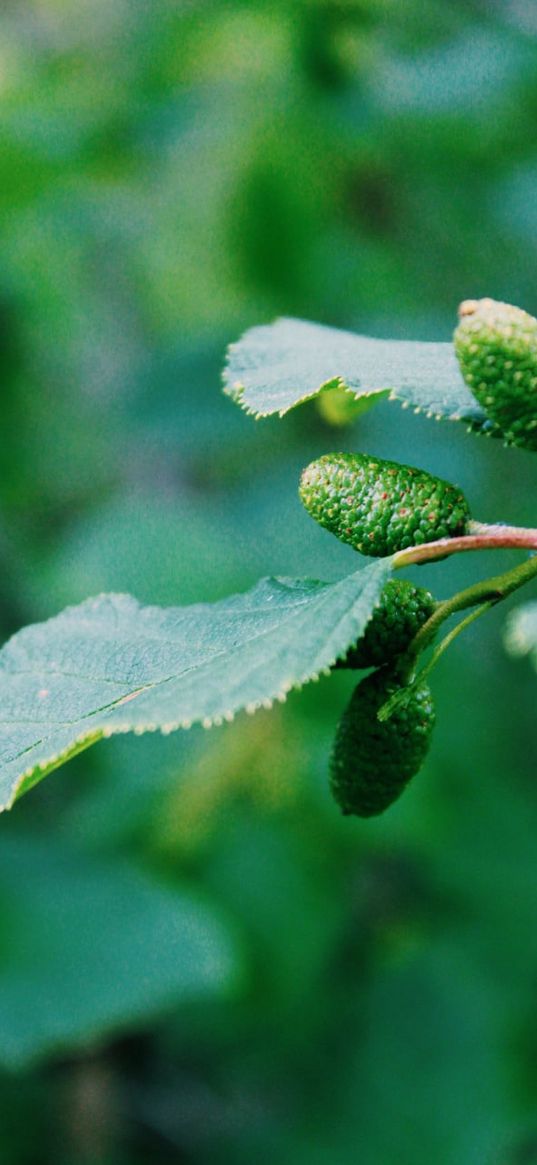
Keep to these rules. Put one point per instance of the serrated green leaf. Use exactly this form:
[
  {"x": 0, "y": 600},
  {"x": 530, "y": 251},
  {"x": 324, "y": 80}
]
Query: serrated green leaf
[
  {"x": 521, "y": 631},
  {"x": 277, "y": 366},
  {"x": 91, "y": 947},
  {"x": 111, "y": 665}
]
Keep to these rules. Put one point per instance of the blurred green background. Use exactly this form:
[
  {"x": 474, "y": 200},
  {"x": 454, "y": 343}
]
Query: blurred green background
[{"x": 200, "y": 961}]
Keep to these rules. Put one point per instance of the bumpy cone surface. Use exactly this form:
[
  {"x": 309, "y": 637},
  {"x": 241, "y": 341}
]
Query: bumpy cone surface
[
  {"x": 496, "y": 345},
  {"x": 402, "y": 610},
  {"x": 373, "y": 761},
  {"x": 380, "y": 506}
]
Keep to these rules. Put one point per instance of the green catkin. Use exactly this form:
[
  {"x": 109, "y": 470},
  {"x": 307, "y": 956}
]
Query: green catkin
[
  {"x": 379, "y": 506},
  {"x": 402, "y": 610},
  {"x": 372, "y": 761},
  {"x": 496, "y": 346}
]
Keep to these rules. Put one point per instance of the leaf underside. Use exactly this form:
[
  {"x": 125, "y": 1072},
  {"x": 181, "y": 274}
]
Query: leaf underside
[
  {"x": 275, "y": 367},
  {"x": 110, "y": 665}
]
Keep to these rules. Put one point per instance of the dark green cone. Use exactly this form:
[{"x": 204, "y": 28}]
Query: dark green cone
[
  {"x": 372, "y": 762},
  {"x": 402, "y": 610},
  {"x": 496, "y": 346},
  {"x": 380, "y": 506}
]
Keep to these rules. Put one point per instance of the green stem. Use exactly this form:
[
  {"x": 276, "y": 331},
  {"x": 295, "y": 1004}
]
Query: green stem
[
  {"x": 451, "y": 635},
  {"x": 489, "y": 591},
  {"x": 404, "y": 693},
  {"x": 481, "y": 536},
  {"x": 483, "y": 595}
]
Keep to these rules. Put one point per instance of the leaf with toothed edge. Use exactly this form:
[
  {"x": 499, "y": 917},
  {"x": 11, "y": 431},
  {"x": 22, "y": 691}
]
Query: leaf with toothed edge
[
  {"x": 277, "y": 366},
  {"x": 111, "y": 665}
]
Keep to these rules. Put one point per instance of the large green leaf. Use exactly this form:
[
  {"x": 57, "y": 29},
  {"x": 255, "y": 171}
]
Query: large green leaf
[
  {"x": 277, "y": 366},
  {"x": 111, "y": 665},
  {"x": 90, "y": 947}
]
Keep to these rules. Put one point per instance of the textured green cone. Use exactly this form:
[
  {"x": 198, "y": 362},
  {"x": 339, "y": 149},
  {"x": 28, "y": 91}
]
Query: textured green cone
[
  {"x": 496, "y": 345},
  {"x": 373, "y": 761},
  {"x": 380, "y": 506},
  {"x": 402, "y": 610}
]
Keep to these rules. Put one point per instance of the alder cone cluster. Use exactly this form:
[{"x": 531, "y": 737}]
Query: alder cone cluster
[
  {"x": 496, "y": 346},
  {"x": 402, "y": 610},
  {"x": 379, "y": 506},
  {"x": 372, "y": 761}
]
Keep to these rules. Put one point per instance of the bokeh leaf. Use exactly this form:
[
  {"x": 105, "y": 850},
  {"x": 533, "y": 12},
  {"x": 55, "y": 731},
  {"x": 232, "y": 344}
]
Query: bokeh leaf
[
  {"x": 89, "y": 947},
  {"x": 111, "y": 665},
  {"x": 521, "y": 631},
  {"x": 277, "y": 366}
]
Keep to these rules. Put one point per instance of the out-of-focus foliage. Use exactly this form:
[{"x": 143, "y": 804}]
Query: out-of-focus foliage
[
  {"x": 171, "y": 174},
  {"x": 521, "y": 631}
]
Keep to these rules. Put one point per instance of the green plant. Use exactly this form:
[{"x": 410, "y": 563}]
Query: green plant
[
  {"x": 496, "y": 345},
  {"x": 373, "y": 759},
  {"x": 111, "y": 666},
  {"x": 379, "y": 506},
  {"x": 403, "y": 608}
]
